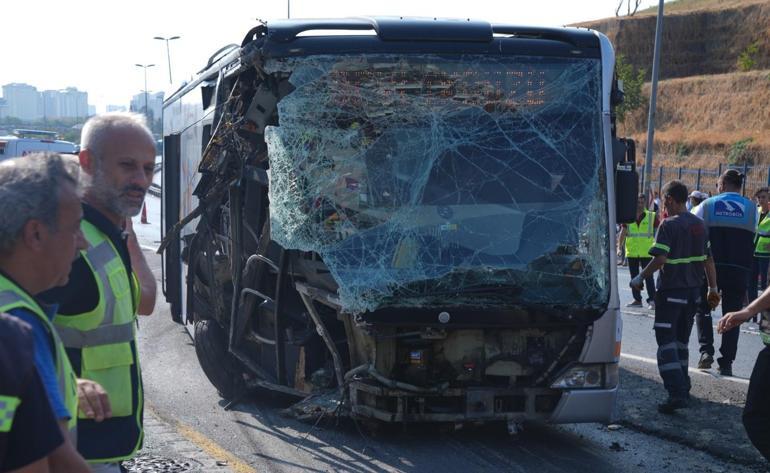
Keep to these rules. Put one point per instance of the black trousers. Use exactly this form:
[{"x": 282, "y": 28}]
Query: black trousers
[
  {"x": 758, "y": 269},
  {"x": 635, "y": 265},
  {"x": 756, "y": 414},
  {"x": 704, "y": 323},
  {"x": 732, "y": 300},
  {"x": 674, "y": 310}
]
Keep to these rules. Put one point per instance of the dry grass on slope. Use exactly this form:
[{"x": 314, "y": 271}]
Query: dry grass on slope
[{"x": 704, "y": 116}]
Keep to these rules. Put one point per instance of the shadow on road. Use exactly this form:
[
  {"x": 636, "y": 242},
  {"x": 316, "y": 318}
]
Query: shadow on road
[
  {"x": 342, "y": 444},
  {"x": 707, "y": 425}
]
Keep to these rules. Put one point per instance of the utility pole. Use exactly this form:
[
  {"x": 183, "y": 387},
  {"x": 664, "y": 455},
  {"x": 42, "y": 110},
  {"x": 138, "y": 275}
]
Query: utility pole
[
  {"x": 168, "y": 53},
  {"x": 646, "y": 177},
  {"x": 288, "y": 9},
  {"x": 145, "y": 67}
]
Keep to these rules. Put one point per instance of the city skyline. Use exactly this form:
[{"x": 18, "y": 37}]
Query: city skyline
[{"x": 50, "y": 104}]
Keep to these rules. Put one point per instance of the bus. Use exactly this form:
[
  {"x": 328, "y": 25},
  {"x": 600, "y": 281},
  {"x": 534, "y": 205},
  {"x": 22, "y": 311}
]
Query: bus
[{"x": 415, "y": 217}]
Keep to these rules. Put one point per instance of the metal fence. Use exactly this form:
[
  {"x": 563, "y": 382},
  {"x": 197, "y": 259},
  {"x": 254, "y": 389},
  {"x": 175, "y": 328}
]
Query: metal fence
[{"x": 705, "y": 180}]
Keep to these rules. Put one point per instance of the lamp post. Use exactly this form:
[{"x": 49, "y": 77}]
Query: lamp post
[
  {"x": 168, "y": 53},
  {"x": 145, "y": 66}
]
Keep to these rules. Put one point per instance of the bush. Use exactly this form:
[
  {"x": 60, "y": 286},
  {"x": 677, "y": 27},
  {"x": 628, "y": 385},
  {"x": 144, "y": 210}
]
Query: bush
[
  {"x": 632, "y": 87},
  {"x": 737, "y": 152},
  {"x": 747, "y": 59},
  {"x": 682, "y": 150}
]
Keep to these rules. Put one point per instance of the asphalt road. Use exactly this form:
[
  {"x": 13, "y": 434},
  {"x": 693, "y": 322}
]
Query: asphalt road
[{"x": 256, "y": 436}]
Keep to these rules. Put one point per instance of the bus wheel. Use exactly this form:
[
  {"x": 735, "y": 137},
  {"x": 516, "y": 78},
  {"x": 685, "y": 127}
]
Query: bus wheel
[{"x": 219, "y": 366}]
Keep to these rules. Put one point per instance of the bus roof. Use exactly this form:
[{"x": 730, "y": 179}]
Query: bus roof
[{"x": 383, "y": 35}]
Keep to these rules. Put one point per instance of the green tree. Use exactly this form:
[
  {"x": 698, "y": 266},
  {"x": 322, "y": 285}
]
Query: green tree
[
  {"x": 633, "y": 80},
  {"x": 747, "y": 59}
]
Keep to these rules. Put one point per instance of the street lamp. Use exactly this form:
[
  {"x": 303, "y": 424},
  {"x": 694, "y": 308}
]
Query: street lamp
[
  {"x": 168, "y": 53},
  {"x": 145, "y": 66}
]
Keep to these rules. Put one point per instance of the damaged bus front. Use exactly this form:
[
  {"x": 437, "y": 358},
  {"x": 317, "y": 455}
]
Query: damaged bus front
[{"x": 414, "y": 215}]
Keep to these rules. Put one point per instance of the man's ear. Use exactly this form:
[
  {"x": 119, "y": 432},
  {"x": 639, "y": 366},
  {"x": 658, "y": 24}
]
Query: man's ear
[
  {"x": 86, "y": 161},
  {"x": 32, "y": 234}
]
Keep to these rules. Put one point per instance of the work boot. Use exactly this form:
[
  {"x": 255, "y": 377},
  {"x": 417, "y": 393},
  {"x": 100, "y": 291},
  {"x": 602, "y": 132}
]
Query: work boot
[
  {"x": 634, "y": 304},
  {"x": 673, "y": 404},
  {"x": 725, "y": 369},
  {"x": 705, "y": 361},
  {"x": 650, "y": 304}
]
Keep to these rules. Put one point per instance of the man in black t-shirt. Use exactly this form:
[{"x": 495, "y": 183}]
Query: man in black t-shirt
[
  {"x": 680, "y": 251},
  {"x": 28, "y": 430}
]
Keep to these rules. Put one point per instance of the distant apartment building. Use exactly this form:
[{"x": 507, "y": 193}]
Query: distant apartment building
[
  {"x": 23, "y": 101},
  {"x": 116, "y": 108},
  {"x": 3, "y": 109},
  {"x": 154, "y": 104}
]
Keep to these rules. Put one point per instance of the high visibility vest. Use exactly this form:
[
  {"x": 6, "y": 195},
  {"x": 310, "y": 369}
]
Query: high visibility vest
[
  {"x": 14, "y": 297},
  {"x": 762, "y": 248},
  {"x": 8, "y": 405},
  {"x": 103, "y": 341},
  {"x": 641, "y": 237}
]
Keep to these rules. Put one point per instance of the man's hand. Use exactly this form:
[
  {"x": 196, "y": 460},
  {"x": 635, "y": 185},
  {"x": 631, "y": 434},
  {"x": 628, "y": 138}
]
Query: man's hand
[
  {"x": 637, "y": 283},
  {"x": 93, "y": 400},
  {"x": 732, "y": 320},
  {"x": 713, "y": 298}
]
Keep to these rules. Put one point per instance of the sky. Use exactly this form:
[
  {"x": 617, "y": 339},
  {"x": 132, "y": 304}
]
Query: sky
[{"x": 94, "y": 45}]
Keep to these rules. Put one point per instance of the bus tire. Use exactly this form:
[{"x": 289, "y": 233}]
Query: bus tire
[{"x": 220, "y": 367}]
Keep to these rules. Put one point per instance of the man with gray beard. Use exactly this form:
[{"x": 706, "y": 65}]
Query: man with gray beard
[{"x": 109, "y": 285}]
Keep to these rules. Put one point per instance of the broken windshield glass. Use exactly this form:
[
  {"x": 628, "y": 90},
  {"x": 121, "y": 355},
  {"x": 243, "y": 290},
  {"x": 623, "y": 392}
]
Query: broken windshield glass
[{"x": 433, "y": 180}]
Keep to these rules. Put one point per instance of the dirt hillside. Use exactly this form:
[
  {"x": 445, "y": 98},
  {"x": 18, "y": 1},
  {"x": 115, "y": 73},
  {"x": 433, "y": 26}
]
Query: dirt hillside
[
  {"x": 707, "y": 111},
  {"x": 695, "y": 41}
]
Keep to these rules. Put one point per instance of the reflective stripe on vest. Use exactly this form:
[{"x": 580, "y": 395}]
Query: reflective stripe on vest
[
  {"x": 104, "y": 340},
  {"x": 8, "y": 405},
  {"x": 640, "y": 238},
  {"x": 13, "y": 297},
  {"x": 762, "y": 248}
]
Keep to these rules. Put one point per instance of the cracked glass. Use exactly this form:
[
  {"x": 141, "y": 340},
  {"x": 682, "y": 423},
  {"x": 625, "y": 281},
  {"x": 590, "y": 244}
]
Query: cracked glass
[{"x": 434, "y": 181}]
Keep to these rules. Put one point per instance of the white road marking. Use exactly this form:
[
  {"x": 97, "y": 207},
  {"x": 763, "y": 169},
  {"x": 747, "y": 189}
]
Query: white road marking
[
  {"x": 690, "y": 369},
  {"x": 651, "y": 315},
  {"x": 149, "y": 248}
]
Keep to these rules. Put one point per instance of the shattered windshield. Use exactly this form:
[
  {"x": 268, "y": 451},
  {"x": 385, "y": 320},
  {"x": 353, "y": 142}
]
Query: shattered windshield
[{"x": 444, "y": 181}]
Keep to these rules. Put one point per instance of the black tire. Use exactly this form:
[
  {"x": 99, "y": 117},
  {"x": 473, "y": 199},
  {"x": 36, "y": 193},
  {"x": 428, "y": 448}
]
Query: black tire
[{"x": 219, "y": 365}]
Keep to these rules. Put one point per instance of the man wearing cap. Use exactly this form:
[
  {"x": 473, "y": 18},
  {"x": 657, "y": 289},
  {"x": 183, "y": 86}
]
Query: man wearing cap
[{"x": 702, "y": 319}]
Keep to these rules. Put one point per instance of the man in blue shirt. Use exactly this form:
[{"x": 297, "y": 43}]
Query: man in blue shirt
[
  {"x": 28, "y": 431},
  {"x": 40, "y": 237},
  {"x": 731, "y": 220}
]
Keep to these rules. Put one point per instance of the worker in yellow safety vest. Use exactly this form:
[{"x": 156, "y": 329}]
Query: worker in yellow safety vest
[
  {"x": 109, "y": 285},
  {"x": 39, "y": 238},
  {"x": 638, "y": 238},
  {"x": 762, "y": 243}
]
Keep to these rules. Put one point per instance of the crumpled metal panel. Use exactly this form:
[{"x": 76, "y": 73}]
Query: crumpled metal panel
[{"x": 444, "y": 181}]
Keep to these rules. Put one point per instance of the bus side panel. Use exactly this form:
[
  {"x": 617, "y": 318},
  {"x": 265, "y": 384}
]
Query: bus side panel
[
  {"x": 172, "y": 261},
  {"x": 184, "y": 118}
]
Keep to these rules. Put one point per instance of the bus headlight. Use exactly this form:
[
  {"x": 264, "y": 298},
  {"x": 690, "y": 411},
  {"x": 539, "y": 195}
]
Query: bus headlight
[{"x": 580, "y": 377}]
